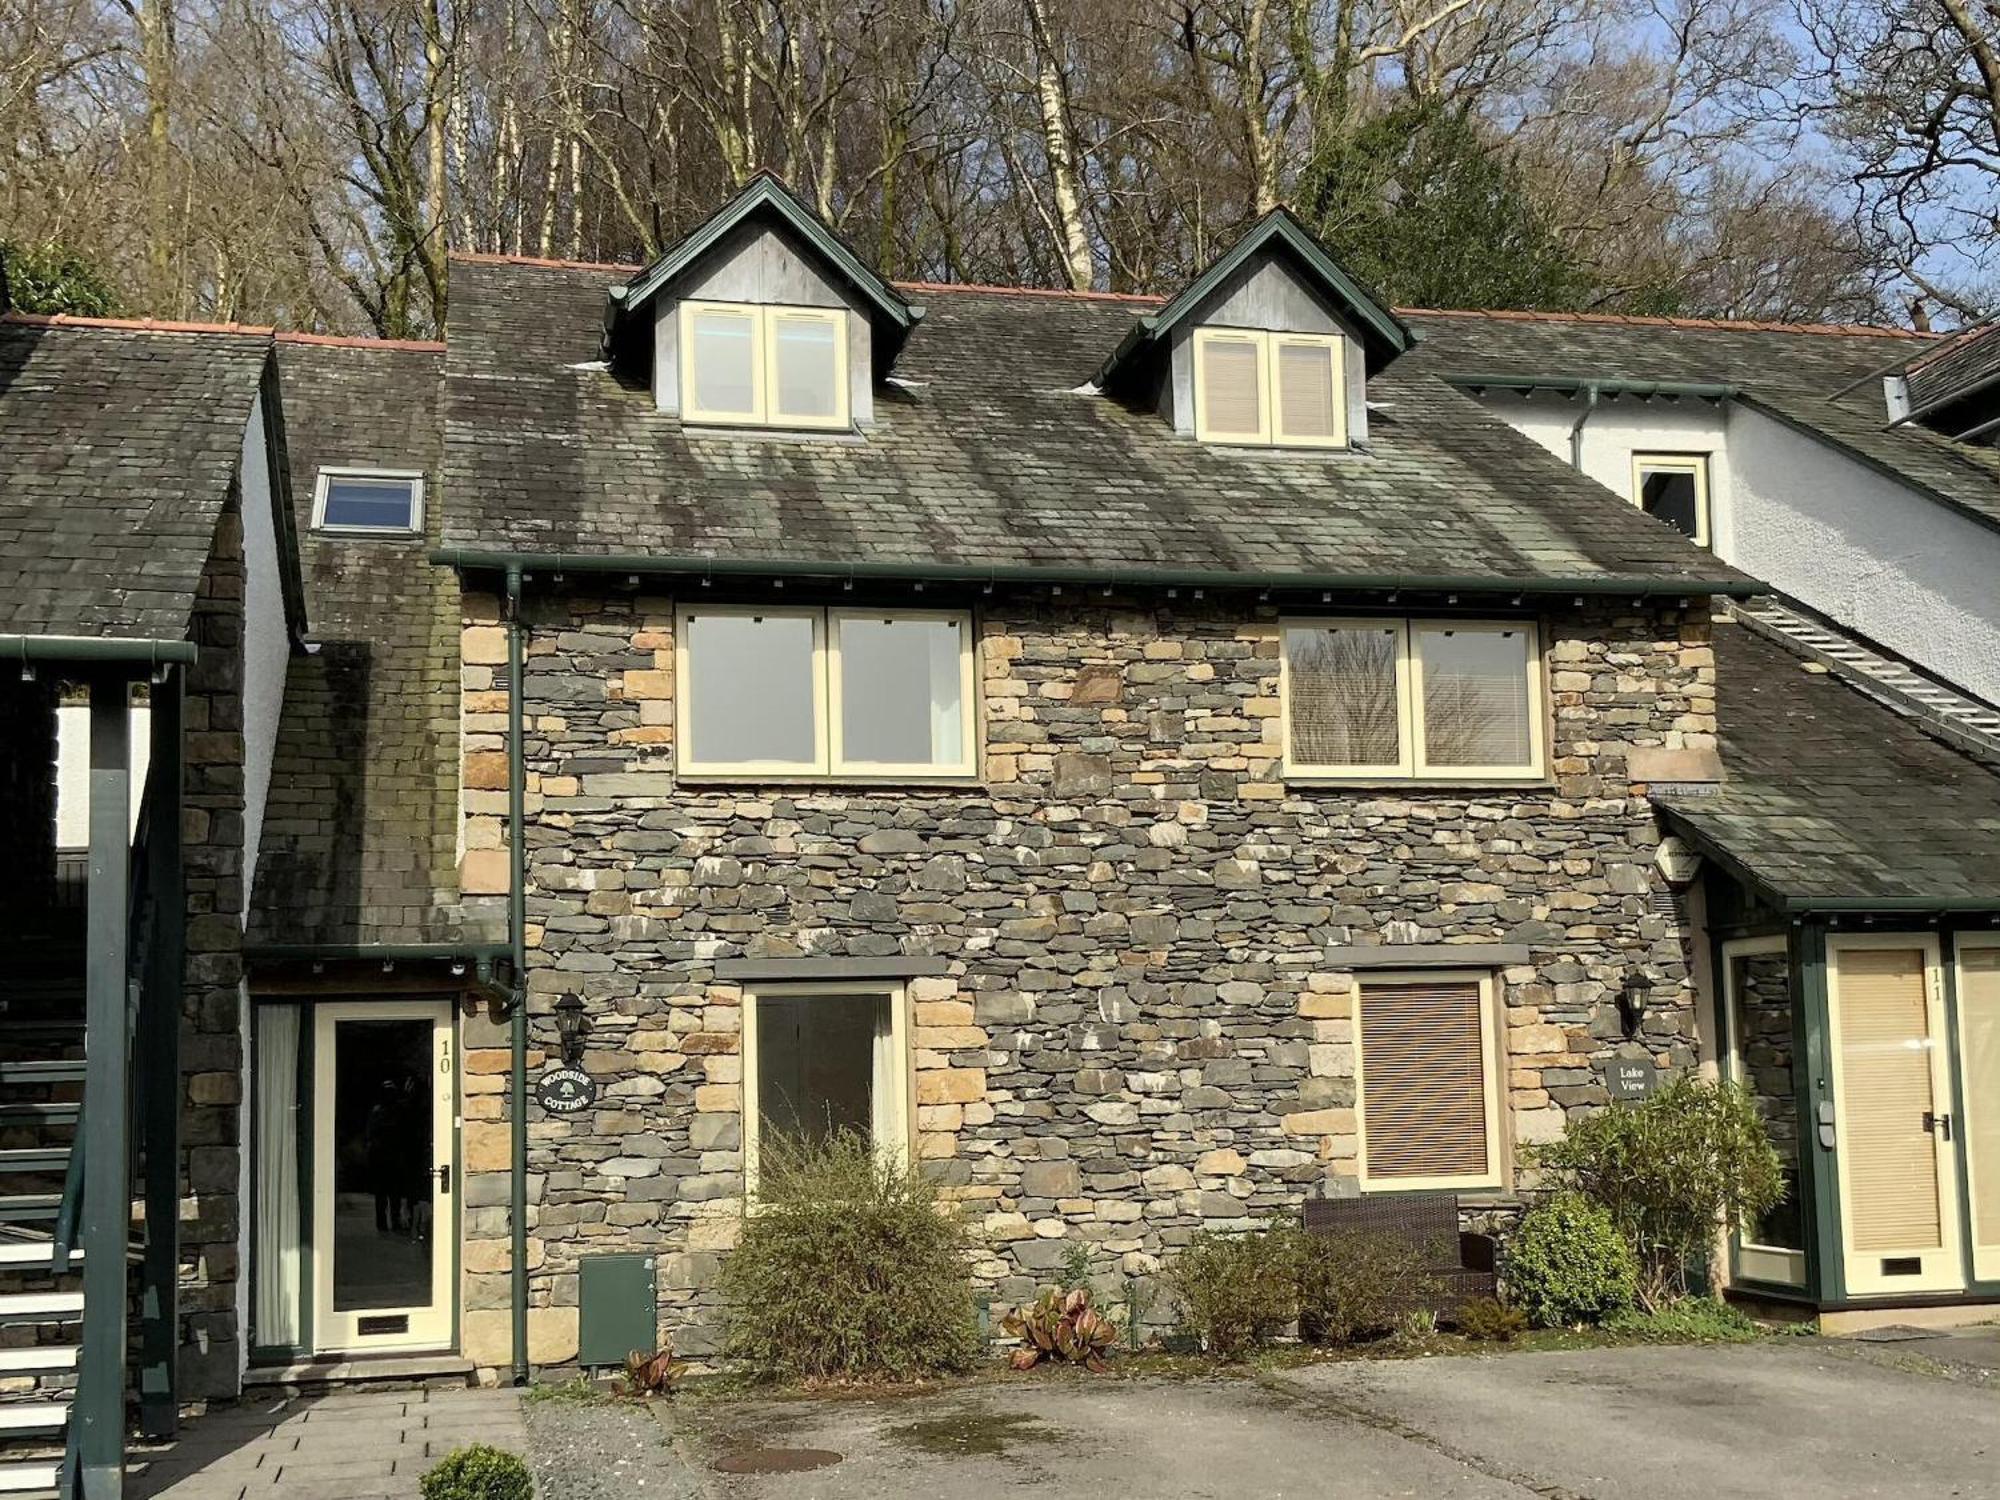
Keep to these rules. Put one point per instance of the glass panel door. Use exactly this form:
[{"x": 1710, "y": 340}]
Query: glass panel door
[
  {"x": 1892, "y": 1100},
  {"x": 1979, "y": 1053},
  {"x": 383, "y": 1176},
  {"x": 1757, "y": 978}
]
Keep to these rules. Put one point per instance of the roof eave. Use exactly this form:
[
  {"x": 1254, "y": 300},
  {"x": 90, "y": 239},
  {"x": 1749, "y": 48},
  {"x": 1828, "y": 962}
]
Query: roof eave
[{"x": 702, "y": 566}]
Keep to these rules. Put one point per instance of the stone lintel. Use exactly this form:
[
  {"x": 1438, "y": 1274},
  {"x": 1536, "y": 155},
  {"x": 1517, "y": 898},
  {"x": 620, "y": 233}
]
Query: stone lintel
[
  {"x": 772, "y": 970},
  {"x": 1428, "y": 956}
]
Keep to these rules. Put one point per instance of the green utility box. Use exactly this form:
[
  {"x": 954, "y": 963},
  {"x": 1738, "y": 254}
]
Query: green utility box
[{"x": 617, "y": 1309}]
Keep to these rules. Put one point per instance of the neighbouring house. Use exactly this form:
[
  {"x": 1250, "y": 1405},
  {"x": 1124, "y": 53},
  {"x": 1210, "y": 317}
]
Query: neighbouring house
[{"x": 1150, "y": 760}]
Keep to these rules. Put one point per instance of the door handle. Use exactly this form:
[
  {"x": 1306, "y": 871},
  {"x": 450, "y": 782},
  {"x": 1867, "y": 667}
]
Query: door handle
[
  {"x": 1937, "y": 1124},
  {"x": 444, "y": 1180}
]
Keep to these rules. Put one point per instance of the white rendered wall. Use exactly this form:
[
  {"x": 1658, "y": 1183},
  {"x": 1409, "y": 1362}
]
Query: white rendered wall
[
  {"x": 73, "y": 770},
  {"x": 267, "y": 643},
  {"x": 1621, "y": 426},
  {"x": 1885, "y": 560}
]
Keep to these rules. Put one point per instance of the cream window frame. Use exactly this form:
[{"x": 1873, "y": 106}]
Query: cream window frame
[
  {"x": 902, "y": 1101},
  {"x": 684, "y": 737},
  {"x": 1754, "y": 1259},
  {"x": 1258, "y": 341},
  {"x": 1677, "y": 463},
  {"x": 1401, "y": 768},
  {"x": 764, "y": 366},
  {"x": 968, "y": 762},
  {"x": 1534, "y": 769},
  {"x": 1270, "y": 432},
  {"x": 1335, "y": 346},
  {"x": 1495, "y": 1176},
  {"x": 1414, "y": 765},
  {"x": 828, "y": 763},
  {"x": 1985, "y": 1257}
]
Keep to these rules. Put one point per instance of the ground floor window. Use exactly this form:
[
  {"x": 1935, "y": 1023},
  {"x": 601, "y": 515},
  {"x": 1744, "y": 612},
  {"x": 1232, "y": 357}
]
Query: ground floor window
[
  {"x": 1426, "y": 1076},
  {"x": 824, "y": 1059}
]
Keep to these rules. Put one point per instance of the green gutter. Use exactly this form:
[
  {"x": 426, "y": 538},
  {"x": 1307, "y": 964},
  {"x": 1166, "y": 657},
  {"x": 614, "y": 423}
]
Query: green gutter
[
  {"x": 95, "y": 648},
  {"x": 1898, "y": 905},
  {"x": 1571, "y": 385},
  {"x": 332, "y": 952},
  {"x": 1108, "y": 577},
  {"x": 517, "y": 937}
]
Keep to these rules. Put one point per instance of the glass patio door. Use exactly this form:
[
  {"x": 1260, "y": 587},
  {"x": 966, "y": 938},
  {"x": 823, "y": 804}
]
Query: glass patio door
[
  {"x": 384, "y": 1176},
  {"x": 1893, "y": 1101}
]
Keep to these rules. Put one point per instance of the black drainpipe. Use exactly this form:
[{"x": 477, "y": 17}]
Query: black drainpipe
[{"x": 517, "y": 937}]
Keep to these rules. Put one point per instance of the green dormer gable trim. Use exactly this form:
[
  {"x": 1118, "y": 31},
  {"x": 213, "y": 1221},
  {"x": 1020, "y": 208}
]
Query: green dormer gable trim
[
  {"x": 891, "y": 313},
  {"x": 1383, "y": 334}
]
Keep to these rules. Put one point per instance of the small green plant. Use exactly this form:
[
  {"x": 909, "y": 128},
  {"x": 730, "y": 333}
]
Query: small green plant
[
  {"x": 478, "y": 1473},
  {"x": 1060, "y": 1325},
  {"x": 1236, "y": 1290},
  {"x": 1357, "y": 1284},
  {"x": 1568, "y": 1264},
  {"x": 1488, "y": 1320},
  {"x": 851, "y": 1267},
  {"x": 1670, "y": 1170},
  {"x": 654, "y": 1374},
  {"x": 1692, "y": 1320}
]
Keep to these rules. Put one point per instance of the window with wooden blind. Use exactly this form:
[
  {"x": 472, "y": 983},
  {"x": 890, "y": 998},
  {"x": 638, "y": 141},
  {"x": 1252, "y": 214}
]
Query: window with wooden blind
[
  {"x": 1427, "y": 1082},
  {"x": 1282, "y": 389}
]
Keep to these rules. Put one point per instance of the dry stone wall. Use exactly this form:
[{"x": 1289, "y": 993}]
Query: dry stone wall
[{"x": 1139, "y": 1032}]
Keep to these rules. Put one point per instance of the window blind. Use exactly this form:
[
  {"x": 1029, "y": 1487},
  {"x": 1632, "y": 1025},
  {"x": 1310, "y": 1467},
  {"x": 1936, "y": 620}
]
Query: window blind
[
  {"x": 1885, "y": 1059},
  {"x": 1230, "y": 400},
  {"x": 1424, "y": 1080},
  {"x": 1306, "y": 390}
]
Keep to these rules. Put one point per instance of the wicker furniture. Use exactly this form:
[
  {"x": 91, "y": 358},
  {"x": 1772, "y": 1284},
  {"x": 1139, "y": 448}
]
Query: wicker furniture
[{"x": 1461, "y": 1263}]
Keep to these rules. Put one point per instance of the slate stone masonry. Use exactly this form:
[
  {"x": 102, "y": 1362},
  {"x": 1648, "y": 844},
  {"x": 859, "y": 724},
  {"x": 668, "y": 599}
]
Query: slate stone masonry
[{"x": 1140, "y": 1033}]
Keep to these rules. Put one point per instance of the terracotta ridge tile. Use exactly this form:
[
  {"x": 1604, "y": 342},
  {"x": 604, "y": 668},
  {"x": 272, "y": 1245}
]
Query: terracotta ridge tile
[
  {"x": 362, "y": 341},
  {"x": 1025, "y": 291},
  {"x": 488, "y": 258},
  {"x": 137, "y": 325},
  {"x": 1638, "y": 320}
]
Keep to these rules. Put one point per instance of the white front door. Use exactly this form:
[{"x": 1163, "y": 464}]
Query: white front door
[
  {"x": 384, "y": 1176},
  {"x": 1892, "y": 1100}
]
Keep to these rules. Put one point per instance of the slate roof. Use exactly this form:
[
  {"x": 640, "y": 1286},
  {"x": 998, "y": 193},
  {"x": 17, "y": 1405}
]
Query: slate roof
[
  {"x": 1833, "y": 797},
  {"x": 991, "y": 452},
  {"x": 1959, "y": 368},
  {"x": 1786, "y": 371},
  {"x": 118, "y": 447},
  {"x": 360, "y": 833}
]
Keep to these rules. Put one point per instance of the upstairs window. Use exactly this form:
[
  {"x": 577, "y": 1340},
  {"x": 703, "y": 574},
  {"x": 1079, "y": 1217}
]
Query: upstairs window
[
  {"x": 374, "y": 502},
  {"x": 1389, "y": 699},
  {"x": 1673, "y": 487},
  {"x": 826, "y": 692},
  {"x": 755, "y": 366},
  {"x": 1273, "y": 389}
]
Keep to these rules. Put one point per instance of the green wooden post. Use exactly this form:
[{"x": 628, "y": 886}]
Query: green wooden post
[
  {"x": 99, "y": 1412},
  {"x": 160, "y": 1067}
]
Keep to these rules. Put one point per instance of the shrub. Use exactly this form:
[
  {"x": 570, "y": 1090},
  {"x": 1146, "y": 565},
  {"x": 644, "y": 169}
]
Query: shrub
[
  {"x": 1487, "y": 1320},
  {"x": 1670, "y": 1170},
  {"x": 1060, "y": 1325},
  {"x": 1692, "y": 1320},
  {"x": 1567, "y": 1263},
  {"x": 1236, "y": 1290},
  {"x": 850, "y": 1266},
  {"x": 478, "y": 1473},
  {"x": 1359, "y": 1284}
]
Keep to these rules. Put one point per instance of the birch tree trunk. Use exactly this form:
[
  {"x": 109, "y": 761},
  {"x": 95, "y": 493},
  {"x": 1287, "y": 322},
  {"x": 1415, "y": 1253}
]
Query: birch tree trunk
[{"x": 1059, "y": 144}]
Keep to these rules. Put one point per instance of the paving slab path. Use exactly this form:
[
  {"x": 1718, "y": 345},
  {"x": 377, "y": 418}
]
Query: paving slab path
[{"x": 350, "y": 1445}]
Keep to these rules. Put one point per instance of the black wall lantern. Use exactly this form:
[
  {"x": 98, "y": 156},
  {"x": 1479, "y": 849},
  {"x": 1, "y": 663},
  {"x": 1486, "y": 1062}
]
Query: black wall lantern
[
  {"x": 1633, "y": 1000},
  {"x": 570, "y": 1027}
]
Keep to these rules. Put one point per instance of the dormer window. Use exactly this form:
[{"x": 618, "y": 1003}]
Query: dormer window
[
  {"x": 750, "y": 365},
  {"x": 1269, "y": 389}
]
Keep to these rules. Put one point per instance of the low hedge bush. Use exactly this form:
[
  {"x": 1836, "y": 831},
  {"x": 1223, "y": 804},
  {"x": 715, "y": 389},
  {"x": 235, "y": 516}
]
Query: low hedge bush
[
  {"x": 850, "y": 1266},
  {"x": 1236, "y": 1290},
  {"x": 478, "y": 1473},
  {"x": 1567, "y": 1263}
]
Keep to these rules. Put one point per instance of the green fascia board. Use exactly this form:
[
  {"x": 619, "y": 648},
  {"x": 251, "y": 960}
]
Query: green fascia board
[
  {"x": 1570, "y": 385},
  {"x": 1385, "y": 334},
  {"x": 766, "y": 192},
  {"x": 643, "y": 564},
  {"x": 128, "y": 650}
]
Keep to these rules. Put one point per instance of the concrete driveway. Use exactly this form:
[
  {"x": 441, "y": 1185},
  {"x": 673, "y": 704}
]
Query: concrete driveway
[{"x": 1784, "y": 1418}]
